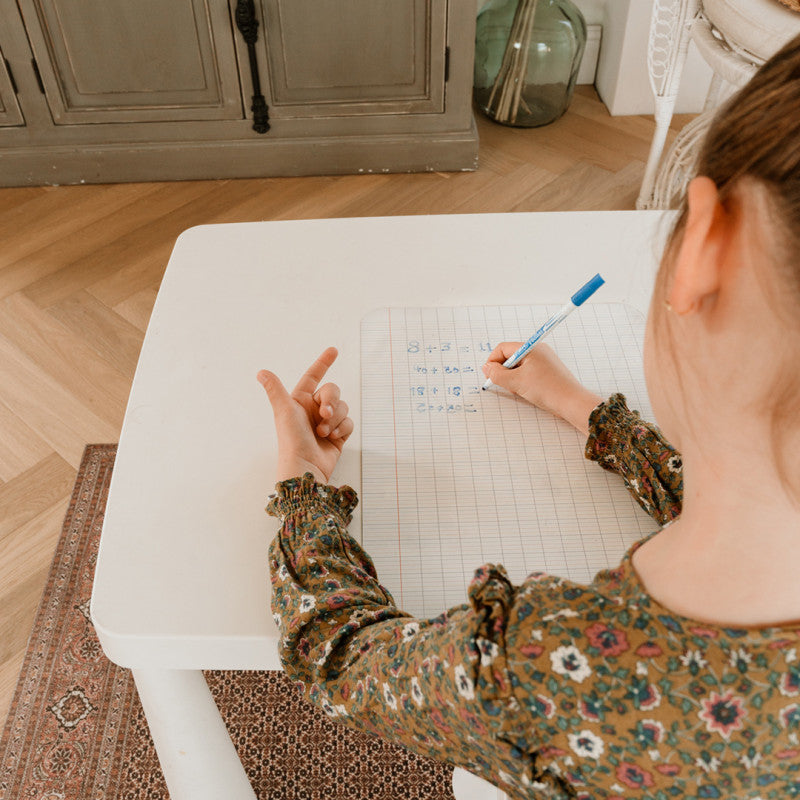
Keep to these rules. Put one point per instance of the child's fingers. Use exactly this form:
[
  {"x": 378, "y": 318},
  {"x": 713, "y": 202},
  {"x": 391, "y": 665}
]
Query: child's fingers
[
  {"x": 503, "y": 351},
  {"x": 343, "y": 430},
  {"x": 326, "y": 398},
  {"x": 338, "y": 415},
  {"x": 500, "y": 376},
  {"x": 316, "y": 372}
]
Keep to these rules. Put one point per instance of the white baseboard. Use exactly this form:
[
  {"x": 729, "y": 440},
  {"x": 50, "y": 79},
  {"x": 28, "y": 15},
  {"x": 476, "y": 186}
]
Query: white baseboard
[{"x": 588, "y": 67}]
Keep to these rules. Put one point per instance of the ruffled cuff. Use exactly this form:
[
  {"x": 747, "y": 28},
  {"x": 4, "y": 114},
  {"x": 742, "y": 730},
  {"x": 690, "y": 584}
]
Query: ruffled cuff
[
  {"x": 305, "y": 494},
  {"x": 610, "y": 428}
]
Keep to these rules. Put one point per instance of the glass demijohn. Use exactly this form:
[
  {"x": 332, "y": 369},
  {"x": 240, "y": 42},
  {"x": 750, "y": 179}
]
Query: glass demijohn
[{"x": 527, "y": 55}]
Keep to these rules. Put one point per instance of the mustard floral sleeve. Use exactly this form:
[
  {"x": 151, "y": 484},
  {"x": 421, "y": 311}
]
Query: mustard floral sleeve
[
  {"x": 550, "y": 689},
  {"x": 620, "y": 441}
]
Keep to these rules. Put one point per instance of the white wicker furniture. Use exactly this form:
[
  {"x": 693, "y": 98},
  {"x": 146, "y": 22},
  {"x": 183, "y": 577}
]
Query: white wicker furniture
[{"x": 735, "y": 37}]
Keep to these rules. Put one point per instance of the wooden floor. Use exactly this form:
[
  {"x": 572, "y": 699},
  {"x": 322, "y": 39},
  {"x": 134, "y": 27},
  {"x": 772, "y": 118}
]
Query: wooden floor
[{"x": 80, "y": 267}]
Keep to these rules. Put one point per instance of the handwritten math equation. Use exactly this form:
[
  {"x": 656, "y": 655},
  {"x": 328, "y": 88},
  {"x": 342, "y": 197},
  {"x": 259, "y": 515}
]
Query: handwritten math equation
[{"x": 443, "y": 375}]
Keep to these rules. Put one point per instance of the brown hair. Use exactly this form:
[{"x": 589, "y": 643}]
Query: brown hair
[{"x": 755, "y": 138}]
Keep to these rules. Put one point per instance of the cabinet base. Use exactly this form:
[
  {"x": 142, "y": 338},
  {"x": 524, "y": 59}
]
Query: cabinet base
[{"x": 39, "y": 165}]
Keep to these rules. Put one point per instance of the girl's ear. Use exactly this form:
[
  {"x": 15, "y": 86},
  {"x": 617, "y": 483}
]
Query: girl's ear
[{"x": 698, "y": 266}]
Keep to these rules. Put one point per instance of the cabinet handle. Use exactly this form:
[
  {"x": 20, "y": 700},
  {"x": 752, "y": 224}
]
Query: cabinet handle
[{"x": 247, "y": 23}]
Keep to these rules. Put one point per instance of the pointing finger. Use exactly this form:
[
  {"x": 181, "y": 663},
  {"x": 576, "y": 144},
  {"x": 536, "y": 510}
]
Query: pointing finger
[{"x": 316, "y": 372}]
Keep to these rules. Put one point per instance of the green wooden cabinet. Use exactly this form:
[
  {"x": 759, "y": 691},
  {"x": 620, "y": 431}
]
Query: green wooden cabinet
[{"x": 113, "y": 90}]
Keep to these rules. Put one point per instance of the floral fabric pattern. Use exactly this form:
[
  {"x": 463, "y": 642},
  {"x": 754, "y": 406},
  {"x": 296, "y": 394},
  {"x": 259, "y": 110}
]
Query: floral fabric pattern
[{"x": 551, "y": 689}]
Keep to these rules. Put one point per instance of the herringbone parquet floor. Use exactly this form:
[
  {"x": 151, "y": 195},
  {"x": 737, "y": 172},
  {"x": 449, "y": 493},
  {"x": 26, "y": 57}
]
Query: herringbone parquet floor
[{"x": 80, "y": 267}]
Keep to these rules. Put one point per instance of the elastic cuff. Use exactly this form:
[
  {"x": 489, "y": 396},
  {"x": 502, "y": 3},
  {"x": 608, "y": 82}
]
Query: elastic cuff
[
  {"x": 609, "y": 424},
  {"x": 298, "y": 494}
]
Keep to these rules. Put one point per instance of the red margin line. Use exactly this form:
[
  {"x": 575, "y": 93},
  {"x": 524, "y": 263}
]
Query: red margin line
[{"x": 396, "y": 479}]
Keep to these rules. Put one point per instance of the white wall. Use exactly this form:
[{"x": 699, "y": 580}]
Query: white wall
[
  {"x": 592, "y": 9},
  {"x": 622, "y": 80}
]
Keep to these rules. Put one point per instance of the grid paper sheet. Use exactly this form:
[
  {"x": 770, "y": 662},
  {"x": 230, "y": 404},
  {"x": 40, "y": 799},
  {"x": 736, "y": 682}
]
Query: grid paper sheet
[{"x": 453, "y": 477}]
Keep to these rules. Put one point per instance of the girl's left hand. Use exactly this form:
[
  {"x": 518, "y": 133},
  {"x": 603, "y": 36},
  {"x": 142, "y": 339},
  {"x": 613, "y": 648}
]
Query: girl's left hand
[{"x": 312, "y": 423}]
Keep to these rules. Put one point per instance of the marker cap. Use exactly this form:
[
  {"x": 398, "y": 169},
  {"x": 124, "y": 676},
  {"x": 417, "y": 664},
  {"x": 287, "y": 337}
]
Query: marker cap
[{"x": 587, "y": 290}]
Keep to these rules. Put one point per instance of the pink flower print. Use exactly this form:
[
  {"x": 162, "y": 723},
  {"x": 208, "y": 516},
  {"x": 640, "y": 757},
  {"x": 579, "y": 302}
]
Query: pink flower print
[
  {"x": 723, "y": 713},
  {"x": 706, "y": 633},
  {"x": 473, "y": 721},
  {"x": 668, "y": 769},
  {"x": 543, "y": 706},
  {"x": 588, "y": 709},
  {"x": 790, "y": 682},
  {"x": 531, "y": 650},
  {"x": 438, "y": 721},
  {"x": 645, "y": 696},
  {"x": 648, "y": 732},
  {"x": 648, "y": 650},
  {"x": 633, "y": 776},
  {"x": 610, "y": 641},
  {"x": 551, "y": 752},
  {"x": 790, "y": 716}
]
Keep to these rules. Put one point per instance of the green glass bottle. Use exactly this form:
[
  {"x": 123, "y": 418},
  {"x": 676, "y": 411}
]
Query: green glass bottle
[{"x": 527, "y": 55}]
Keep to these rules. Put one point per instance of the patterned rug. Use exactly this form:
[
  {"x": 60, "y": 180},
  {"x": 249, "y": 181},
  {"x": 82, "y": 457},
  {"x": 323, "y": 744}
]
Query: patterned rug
[{"x": 76, "y": 730}]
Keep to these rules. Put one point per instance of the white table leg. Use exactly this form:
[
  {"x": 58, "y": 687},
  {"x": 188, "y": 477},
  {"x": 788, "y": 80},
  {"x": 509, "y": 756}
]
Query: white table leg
[
  {"x": 196, "y": 753},
  {"x": 467, "y": 786}
]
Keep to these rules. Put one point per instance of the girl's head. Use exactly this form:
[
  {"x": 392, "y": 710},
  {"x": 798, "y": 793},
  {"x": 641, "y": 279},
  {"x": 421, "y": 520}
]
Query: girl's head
[{"x": 725, "y": 319}]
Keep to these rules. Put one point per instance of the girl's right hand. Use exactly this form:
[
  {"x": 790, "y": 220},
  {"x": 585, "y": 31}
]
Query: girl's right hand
[{"x": 542, "y": 379}]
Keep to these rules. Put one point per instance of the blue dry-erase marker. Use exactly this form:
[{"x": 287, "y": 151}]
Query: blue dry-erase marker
[{"x": 578, "y": 299}]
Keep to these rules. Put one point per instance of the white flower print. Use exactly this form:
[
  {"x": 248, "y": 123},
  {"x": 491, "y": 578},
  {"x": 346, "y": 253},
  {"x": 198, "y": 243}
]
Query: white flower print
[
  {"x": 693, "y": 657},
  {"x": 790, "y": 655},
  {"x": 307, "y": 602},
  {"x": 389, "y": 698},
  {"x": 410, "y": 630},
  {"x": 537, "y": 634},
  {"x": 654, "y": 755},
  {"x": 586, "y": 744},
  {"x": 325, "y": 653},
  {"x": 489, "y": 651},
  {"x": 278, "y": 620},
  {"x": 641, "y": 668},
  {"x": 416, "y": 692},
  {"x": 564, "y": 612},
  {"x": 738, "y": 657},
  {"x": 568, "y": 660},
  {"x": 358, "y": 615},
  {"x": 330, "y": 709},
  {"x": 712, "y": 765},
  {"x": 674, "y": 463},
  {"x": 283, "y": 573},
  {"x": 749, "y": 763},
  {"x": 464, "y": 683}
]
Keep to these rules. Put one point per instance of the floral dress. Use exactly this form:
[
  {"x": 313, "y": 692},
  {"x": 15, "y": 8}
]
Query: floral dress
[{"x": 551, "y": 689}]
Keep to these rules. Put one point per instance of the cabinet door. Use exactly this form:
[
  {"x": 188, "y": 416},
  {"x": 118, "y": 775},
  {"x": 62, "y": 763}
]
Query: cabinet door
[
  {"x": 134, "y": 60},
  {"x": 10, "y": 113},
  {"x": 355, "y": 57}
]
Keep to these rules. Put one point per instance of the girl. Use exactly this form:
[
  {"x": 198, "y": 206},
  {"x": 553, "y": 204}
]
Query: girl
[{"x": 675, "y": 673}]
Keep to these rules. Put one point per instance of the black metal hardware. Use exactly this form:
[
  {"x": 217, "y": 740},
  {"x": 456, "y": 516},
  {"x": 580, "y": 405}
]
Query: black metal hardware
[
  {"x": 11, "y": 77},
  {"x": 247, "y": 23},
  {"x": 446, "y": 64},
  {"x": 38, "y": 75}
]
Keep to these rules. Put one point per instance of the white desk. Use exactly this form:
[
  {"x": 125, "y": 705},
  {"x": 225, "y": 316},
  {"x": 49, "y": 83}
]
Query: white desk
[{"x": 182, "y": 576}]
